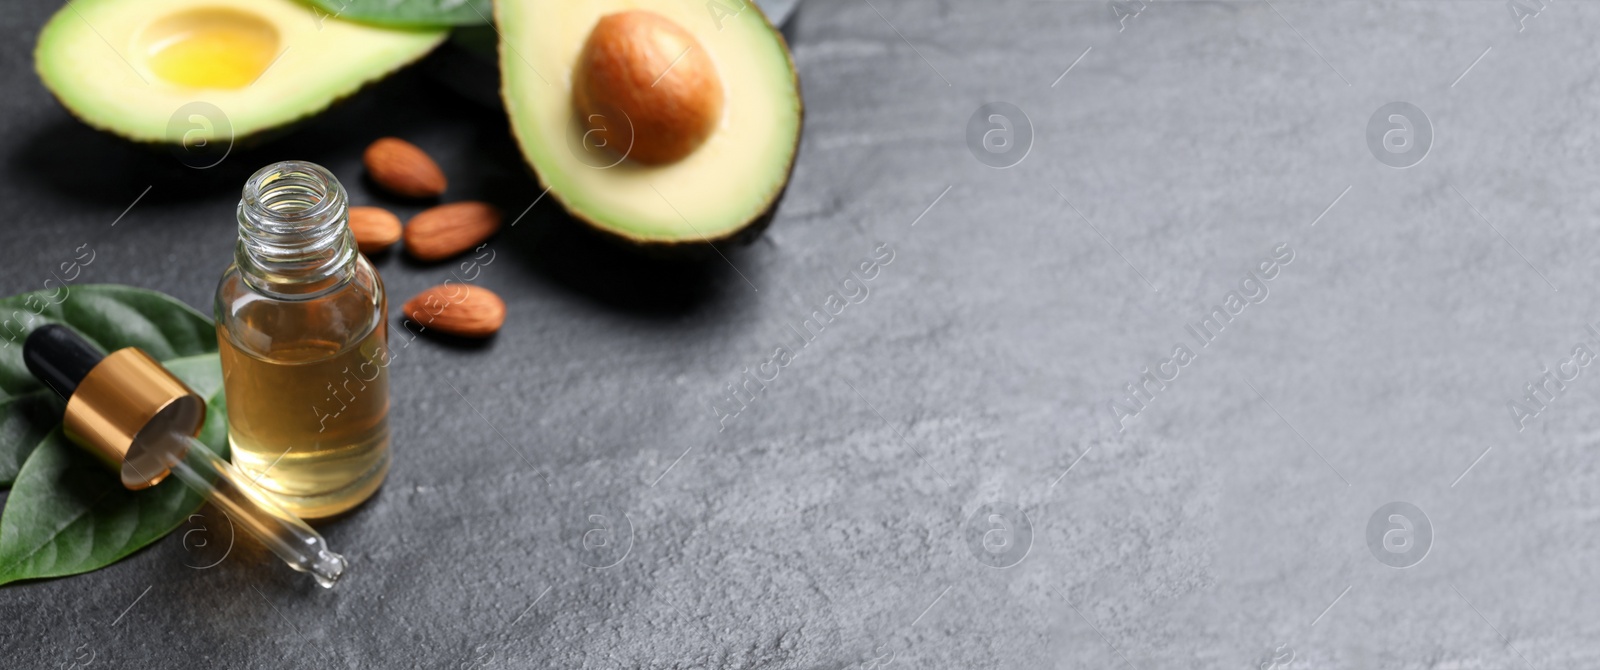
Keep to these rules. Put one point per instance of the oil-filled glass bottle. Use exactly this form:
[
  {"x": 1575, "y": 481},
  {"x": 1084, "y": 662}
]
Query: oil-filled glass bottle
[{"x": 301, "y": 328}]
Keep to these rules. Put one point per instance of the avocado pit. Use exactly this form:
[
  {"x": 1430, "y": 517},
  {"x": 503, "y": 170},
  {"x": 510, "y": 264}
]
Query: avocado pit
[{"x": 647, "y": 69}]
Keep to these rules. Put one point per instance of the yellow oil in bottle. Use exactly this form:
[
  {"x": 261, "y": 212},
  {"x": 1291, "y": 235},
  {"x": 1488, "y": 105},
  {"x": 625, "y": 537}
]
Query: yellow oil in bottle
[
  {"x": 308, "y": 418},
  {"x": 303, "y": 338}
]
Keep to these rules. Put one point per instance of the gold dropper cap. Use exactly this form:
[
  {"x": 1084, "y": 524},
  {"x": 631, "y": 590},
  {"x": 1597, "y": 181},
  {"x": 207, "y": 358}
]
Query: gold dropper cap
[{"x": 125, "y": 401}]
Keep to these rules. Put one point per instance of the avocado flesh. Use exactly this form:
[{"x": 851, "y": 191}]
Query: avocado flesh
[
  {"x": 714, "y": 193},
  {"x": 129, "y": 66}
]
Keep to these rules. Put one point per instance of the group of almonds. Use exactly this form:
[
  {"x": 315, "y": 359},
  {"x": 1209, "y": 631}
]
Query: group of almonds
[{"x": 435, "y": 234}]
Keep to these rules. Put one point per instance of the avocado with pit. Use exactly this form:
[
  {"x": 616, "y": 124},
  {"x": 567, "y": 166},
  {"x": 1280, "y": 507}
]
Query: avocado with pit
[
  {"x": 669, "y": 123},
  {"x": 138, "y": 68}
]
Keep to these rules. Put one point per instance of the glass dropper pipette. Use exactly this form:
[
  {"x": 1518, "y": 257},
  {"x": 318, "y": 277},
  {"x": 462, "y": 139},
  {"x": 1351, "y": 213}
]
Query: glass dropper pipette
[
  {"x": 132, "y": 413},
  {"x": 235, "y": 494}
]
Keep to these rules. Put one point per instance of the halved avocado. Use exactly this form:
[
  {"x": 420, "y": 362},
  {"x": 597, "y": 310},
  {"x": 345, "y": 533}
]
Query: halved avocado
[
  {"x": 137, "y": 67},
  {"x": 662, "y": 123}
]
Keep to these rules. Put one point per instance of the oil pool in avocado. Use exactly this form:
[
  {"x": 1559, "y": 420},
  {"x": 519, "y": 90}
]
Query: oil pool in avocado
[
  {"x": 127, "y": 66},
  {"x": 672, "y": 124}
]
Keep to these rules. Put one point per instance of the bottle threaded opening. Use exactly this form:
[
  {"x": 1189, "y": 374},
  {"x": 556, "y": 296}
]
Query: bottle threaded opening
[
  {"x": 294, "y": 240},
  {"x": 291, "y": 190}
]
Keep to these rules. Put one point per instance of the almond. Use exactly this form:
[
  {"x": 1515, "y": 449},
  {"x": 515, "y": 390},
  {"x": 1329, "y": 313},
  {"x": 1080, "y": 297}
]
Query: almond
[
  {"x": 444, "y": 231},
  {"x": 375, "y": 228},
  {"x": 403, "y": 169},
  {"x": 457, "y": 309}
]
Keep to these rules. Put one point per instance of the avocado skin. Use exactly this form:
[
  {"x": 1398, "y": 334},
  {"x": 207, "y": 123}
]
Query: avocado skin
[
  {"x": 257, "y": 137},
  {"x": 688, "y": 250}
]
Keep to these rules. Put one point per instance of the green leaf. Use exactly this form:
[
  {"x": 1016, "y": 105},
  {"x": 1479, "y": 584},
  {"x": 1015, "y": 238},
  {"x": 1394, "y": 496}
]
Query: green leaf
[
  {"x": 110, "y": 316},
  {"x": 25, "y": 421},
  {"x": 69, "y": 513},
  {"x": 408, "y": 13}
]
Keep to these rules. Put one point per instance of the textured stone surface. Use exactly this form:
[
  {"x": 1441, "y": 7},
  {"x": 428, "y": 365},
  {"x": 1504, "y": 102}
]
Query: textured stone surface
[{"x": 824, "y": 527}]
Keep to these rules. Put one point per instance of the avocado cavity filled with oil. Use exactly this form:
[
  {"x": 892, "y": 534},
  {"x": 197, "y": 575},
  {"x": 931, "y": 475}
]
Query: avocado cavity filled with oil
[
  {"x": 210, "y": 72},
  {"x": 212, "y": 48}
]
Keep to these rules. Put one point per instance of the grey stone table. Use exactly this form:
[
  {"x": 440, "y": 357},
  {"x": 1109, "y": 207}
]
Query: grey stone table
[{"x": 953, "y": 472}]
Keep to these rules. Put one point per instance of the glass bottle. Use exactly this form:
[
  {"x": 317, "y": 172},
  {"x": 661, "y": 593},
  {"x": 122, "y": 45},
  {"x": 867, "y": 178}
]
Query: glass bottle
[{"x": 303, "y": 339}]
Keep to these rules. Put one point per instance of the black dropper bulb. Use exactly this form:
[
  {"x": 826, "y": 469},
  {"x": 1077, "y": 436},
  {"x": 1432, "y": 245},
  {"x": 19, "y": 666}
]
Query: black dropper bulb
[{"x": 60, "y": 357}]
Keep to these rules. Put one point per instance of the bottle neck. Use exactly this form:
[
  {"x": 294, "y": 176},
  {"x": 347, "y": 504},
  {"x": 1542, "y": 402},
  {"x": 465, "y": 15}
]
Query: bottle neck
[{"x": 294, "y": 238}]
